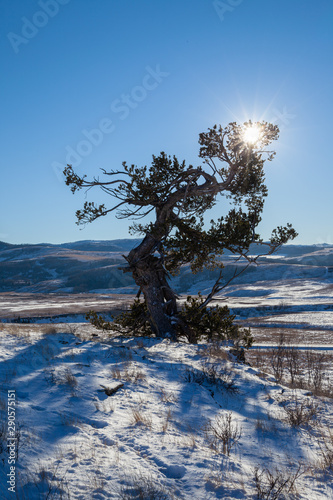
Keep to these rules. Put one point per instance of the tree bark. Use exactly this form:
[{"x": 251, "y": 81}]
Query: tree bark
[{"x": 150, "y": 275}]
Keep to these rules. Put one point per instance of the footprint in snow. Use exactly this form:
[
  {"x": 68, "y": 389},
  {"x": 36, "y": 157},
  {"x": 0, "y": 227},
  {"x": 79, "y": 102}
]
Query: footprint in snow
[
  {"x": 97, "y": 424},
  {"x": 170, "y": 471},
  {"x": 173, "y": 471}
]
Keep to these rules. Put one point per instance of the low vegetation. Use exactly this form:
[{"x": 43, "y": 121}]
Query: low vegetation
[{"x": 296, "y": 368}]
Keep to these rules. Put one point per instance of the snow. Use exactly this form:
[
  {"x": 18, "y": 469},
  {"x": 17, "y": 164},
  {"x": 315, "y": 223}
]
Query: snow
[
  {"x": 319, "y": 320},
  {"x": 152, "y": 432},
  {"x": 46, "y": 305},
  {"x": 123, "y": 290}
]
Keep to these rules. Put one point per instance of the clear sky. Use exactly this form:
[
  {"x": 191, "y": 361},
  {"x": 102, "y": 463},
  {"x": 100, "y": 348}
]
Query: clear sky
[{"x": 98, "y": 82}]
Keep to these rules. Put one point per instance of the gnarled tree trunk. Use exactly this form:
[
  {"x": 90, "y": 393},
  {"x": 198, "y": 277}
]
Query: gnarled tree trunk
[{"x": 150, "y": 275}]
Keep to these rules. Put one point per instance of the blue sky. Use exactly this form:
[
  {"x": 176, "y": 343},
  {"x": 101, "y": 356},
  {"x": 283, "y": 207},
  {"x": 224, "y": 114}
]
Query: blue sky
[{"x": 150, "y": 76}]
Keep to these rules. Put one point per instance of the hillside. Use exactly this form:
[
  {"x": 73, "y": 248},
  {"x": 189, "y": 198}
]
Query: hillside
[
  {"x": 101, "y": 418},
  {"x": 93, "y": 266},
  {"x": 71, "y": 267}
]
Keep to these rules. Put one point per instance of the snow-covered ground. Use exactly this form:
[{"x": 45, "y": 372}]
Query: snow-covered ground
[
  {"x": 161, "y": 434},
  {"x": 319, "y": 320},
  {"x": 157, "y": 434},
  {"x": 57, "y": 307},
  {"x": 284, "y": 303},
  {"x": 246, "y": 300}
]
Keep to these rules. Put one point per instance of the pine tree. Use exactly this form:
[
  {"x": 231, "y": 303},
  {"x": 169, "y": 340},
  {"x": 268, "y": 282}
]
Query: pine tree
[{"x": 178, "y": 196}]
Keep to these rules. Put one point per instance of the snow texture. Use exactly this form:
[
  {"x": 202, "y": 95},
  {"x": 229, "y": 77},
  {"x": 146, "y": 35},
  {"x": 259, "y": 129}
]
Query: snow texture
[{"x": 151, "y": 435}]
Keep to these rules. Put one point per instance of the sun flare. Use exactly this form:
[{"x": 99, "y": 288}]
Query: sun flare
[{"x": 252, "y": 134}]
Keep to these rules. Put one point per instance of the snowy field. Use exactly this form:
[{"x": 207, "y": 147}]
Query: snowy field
[
  {"x": 163, "y": 433},
  {"x": 99, "y": 418},
  {"x": 55, "y": 307},
  {"x": 296, "y": 303}
]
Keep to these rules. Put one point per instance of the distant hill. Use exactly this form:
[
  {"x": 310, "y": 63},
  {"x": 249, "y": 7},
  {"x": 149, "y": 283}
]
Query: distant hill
[
  {"x": 5, "y": 246},
  {"x": 87, "y": 266},
  {"x": 120, "y": 246},
  {"x": 70, "y": 267}
]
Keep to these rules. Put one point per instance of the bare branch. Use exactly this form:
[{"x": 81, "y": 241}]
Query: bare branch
[{"x": 217, "y": 288}]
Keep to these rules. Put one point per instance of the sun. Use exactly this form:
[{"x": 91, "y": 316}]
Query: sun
[{"x": 252, "y": 134}]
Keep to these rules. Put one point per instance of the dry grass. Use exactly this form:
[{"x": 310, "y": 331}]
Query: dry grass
[
  {"x": 222, "y": 434},
  {"x": 264, "y": 427},
  {"x": 166, "y": 421},
  {"x": 139, "y": 418},
  {"x": 215, "y": 351},
  {"x": 294, "y": 367},
  {"x": 48, "y": 482},
  {"x": 217, "y": 374},
  {"x": 167, "y": 397},
  {"x": 276, "y": 484},
  {"x": 299, "y": 413},
  {"x": 324, "y": 439},
  {"x": 127, "y": 374},
  {"x": 190, "y": 440},
  {"x": 305, "y": 336},
  {"x": 116, "y": 372},
  {"x": 50, "y": 329},
  {"x": 22, "y": 332},
  {"x": 65, "y": 377}
]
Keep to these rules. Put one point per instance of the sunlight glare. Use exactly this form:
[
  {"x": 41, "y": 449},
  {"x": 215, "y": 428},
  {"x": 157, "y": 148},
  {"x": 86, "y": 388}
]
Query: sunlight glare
[{"x": 251, "y": 134}]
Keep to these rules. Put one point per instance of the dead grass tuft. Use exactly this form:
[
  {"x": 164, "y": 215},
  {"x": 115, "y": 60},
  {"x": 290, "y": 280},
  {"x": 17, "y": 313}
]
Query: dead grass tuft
[
  {"x": 276, "y": 484},
  {"x": 133, "y": 375},
  {"x": 166, "y": 421},
  {"x": 222, "y": 434},
  {"x": 167, "y": 397},
  {"x": 299, "y": 413},
  {"x": 138, "y": 418}
]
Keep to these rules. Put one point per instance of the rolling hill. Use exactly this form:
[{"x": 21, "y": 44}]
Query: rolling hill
[{"x": 93, "y": 266}]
